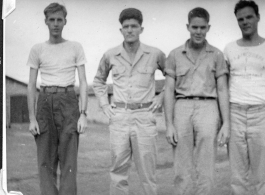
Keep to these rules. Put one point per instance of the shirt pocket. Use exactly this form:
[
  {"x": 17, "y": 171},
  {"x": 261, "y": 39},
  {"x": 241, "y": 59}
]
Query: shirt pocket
[
  {"x": 210, "y": 75},
  {"x": 182, "y": 80},
  {"x": 182, "y": 71},
  {"x": 118, "y": 72},
  {"x": 145, "y": 76}
]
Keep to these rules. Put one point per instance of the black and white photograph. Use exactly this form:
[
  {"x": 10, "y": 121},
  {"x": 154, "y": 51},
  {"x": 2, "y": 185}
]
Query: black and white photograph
[{"x": 133, "y": 97}]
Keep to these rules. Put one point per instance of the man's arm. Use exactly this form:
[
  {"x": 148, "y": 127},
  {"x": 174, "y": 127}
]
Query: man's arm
[
  {"x": 169, "y": 101},
  {"x": 33, "y": 126},
  {"x": 158, "y": 99},
  {"x": 82, "y": 122},
  {"x": 223, "y": 99},
  {"x": 100, "y": 87}
]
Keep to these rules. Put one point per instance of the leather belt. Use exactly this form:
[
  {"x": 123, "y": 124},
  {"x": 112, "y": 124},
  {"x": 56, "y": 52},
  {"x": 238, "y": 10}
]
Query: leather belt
[
  {"x": 56, "y": 89},
  {"x": 197, "y": 98},
  {"x": 132, "y": 106}
]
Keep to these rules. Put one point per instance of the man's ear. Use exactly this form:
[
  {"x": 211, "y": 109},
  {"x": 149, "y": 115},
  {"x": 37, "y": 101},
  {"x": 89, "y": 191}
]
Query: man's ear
[
  {"x": 142, "y": 30},
  {"x": 65, "y": 21},
  {"x": 209, "y": 26}
]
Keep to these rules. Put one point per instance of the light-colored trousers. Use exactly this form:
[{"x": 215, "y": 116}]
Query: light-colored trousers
[
  {"x": 133, "y": 134},
  {"x": 196, "y": 123},
  {"x": 247, "y": 149}
]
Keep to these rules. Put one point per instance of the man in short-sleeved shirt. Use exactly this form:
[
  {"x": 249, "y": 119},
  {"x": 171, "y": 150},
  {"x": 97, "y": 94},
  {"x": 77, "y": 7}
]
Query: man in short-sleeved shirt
[
  {"x": 246, "y": 61},
  {"x": 196, "y": 75},
  {"x": 57, "y": 122},
  {"x": 57, "y": 62},
  {"x": 132, "y": 124}
]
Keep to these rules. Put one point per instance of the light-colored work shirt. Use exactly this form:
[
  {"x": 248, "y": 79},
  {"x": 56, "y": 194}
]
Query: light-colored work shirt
[
  {"x": 196, "y": 78},
  {"x": 57, "y": 62},
  {"x": 132, "y": 82},
  {"x": 247, "y": 73}
]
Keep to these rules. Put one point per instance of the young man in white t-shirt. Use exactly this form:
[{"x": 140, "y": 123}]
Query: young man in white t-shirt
[
  {"x": 57, "y": 123},
  {"x": 246, "y": 60}
]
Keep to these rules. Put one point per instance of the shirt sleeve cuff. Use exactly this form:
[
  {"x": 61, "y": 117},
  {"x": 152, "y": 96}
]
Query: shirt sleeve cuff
[
  {"x": 170, "y": 73},
  {"x": 32, "y": 66},
  {"x": 221, "y": 73},
  {"x": 103, "y": 101},
  {"x": 83, "y": 62}
]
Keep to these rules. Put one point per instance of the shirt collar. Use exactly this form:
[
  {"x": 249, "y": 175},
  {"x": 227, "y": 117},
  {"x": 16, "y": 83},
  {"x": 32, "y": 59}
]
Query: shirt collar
[
  {"x": 142, "y": 48},
  {"x": 208, "y": 47}
]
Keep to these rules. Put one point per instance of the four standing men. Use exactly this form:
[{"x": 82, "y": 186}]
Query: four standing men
[
  {"x": 57, "y": 122},
  {"x": 196, "y": 93},
  {"x": 132, "y": 124},
  {"x": 246, "y": 60}
]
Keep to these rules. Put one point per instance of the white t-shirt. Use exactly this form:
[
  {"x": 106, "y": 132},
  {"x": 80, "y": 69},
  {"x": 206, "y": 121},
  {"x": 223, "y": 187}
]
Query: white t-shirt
[
  {"x": 247, "y": 73},
  {"x": 57, "y": 62}
]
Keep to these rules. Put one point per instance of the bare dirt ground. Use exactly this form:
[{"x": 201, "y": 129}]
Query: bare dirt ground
[{"x": 93, "y": 164}]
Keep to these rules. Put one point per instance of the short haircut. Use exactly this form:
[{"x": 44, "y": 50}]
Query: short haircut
[
  {"x": 131, "y": 13},
  {"x": 55, "y": 7},
  {"x": 200, "y": 13},
  {"x": 246, "y": 3}
]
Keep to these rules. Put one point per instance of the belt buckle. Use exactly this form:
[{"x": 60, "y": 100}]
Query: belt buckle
[
  {"x": 126, "y": 105},
  {"x": 54, "y": 89},
  {"x": 196, "y": 98}
]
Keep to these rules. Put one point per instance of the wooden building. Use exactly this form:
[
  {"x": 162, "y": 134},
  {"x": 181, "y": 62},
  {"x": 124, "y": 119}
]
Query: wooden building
[{"x": 16, "y": 101}]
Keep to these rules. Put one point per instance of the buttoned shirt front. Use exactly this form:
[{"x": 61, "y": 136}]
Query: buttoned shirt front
[
  {"x": 196, "y": 78},
  {"x": 132, "y": 82}
]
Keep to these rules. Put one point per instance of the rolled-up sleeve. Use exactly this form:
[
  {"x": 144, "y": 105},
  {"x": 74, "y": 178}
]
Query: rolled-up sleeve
[
  {"x": 170, "y": 69},
  {"x": 99, "y": 84},
  {"x": 221, "y": 66}
]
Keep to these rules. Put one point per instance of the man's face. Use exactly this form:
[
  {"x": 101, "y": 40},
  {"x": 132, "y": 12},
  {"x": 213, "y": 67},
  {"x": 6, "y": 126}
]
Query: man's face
[
  {"x": 247, "y": 21},
  {"x": 198, "y": 28},
  {"x": 55, "y": 22},
  {"x": 131, "y": 30}
]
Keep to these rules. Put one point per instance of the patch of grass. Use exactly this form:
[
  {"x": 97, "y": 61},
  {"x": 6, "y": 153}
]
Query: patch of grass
[{"x": 93, "y": 164}]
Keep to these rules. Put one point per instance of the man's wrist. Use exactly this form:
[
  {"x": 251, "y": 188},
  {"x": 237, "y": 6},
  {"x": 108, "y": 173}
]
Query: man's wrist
[
  {"x": 226, "y": 124},
  {"x": 105, "y": 105},
  {"x": 83, "y": 112},
  {"x": 32, "y": 119}
]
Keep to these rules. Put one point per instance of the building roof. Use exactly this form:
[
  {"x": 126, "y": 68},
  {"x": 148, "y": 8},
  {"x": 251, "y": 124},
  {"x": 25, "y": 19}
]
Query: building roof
[
  {"x": 19, "y": 82},
  {"x": 15, "y": 80}
]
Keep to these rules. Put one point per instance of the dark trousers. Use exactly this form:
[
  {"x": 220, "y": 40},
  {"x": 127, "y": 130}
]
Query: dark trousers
[{"x": 57, "y": 144}]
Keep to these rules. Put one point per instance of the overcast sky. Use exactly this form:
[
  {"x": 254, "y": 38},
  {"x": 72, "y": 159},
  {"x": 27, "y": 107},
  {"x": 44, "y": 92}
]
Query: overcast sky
[{"x": 94, "y": 23}]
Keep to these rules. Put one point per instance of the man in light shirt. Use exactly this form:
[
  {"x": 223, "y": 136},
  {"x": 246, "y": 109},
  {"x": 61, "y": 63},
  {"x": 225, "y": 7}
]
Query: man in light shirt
[
  {"x": 132, "y": 123},
  {"x": 246, "y": 61},
  {"x": 57, "y": 123},
  {"x": 196, "y": 91}
]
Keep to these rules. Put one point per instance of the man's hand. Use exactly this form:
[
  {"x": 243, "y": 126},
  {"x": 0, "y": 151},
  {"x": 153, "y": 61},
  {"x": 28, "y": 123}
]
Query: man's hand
[
  {"x": 82, "y": 124},
  {"x": 157, "y": 103},
  {"x": 171, "y": 135},
  {"x": 108, "y": 110},
  {"x": 223, "y": 135},
  {"x": 34, "y": 127}
]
